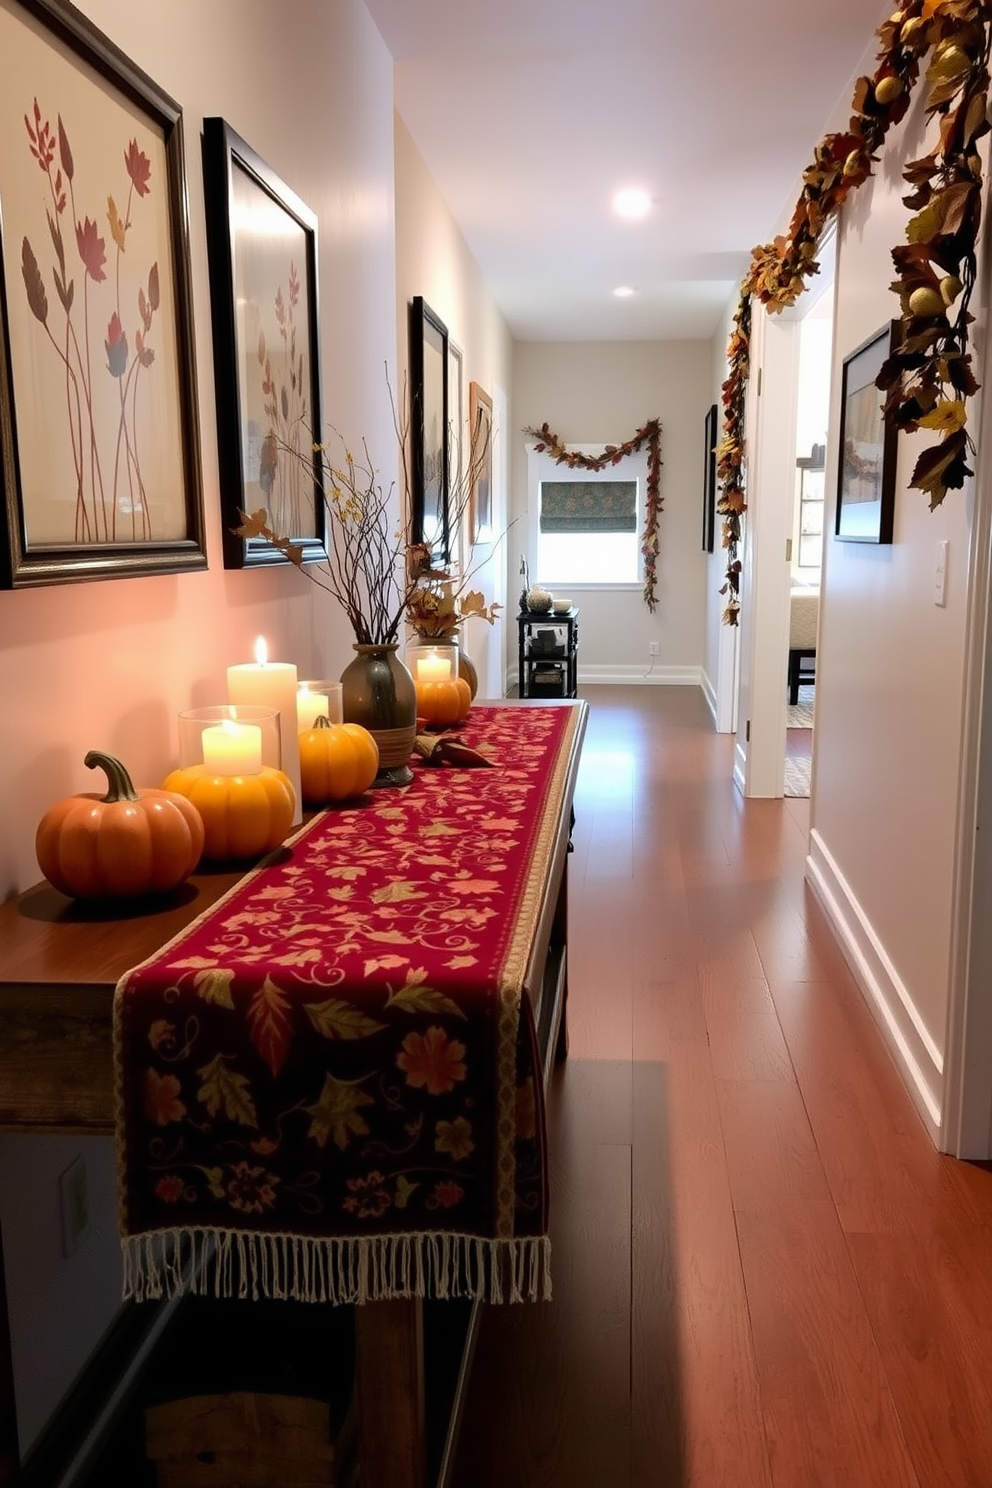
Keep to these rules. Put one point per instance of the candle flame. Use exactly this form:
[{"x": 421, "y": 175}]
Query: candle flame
[{"x": 261, "y": 651}]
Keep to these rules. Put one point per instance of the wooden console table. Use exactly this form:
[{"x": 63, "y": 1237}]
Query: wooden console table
[{"x": 59, "y": 965}]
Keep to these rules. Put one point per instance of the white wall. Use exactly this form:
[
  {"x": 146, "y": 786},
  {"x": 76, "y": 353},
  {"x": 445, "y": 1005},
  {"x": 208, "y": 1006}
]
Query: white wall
[
  {"x": 308, "y": 84},
  {"x": 601, "y": 393},
  {"x": 890, "y": 693},
  {"x": 433, "y": 260}
]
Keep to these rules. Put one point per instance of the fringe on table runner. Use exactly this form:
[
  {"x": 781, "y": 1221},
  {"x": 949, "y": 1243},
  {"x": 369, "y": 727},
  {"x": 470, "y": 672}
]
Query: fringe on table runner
[{"x": 231, "y": 1263}]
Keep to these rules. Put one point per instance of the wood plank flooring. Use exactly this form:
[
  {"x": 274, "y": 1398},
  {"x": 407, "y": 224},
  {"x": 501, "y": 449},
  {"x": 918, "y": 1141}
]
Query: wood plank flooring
[{"x": 765, "y": 1276}]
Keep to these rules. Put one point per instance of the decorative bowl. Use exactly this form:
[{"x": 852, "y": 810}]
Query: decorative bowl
[{"x": 561, "y": 606}]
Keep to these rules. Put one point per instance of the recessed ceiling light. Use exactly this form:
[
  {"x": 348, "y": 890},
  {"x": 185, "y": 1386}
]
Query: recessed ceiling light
[
  {"x": 632, "y": 202},
  {"x": 624, "y": 291}
]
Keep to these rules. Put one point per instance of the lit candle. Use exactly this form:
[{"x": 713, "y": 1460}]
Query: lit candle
[
  {"x": 273, "y": 685},
  {"x": 232, "y": 748},
  {"x": 433, "y": 668},
  {"x": 308, "y": 706}
]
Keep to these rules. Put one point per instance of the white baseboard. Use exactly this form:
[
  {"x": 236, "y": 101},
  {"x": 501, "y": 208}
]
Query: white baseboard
[
  {"x": 917, "y": 1056},
  {"x": 709, "y": 693},
  {"x": 650, "y": 676}
]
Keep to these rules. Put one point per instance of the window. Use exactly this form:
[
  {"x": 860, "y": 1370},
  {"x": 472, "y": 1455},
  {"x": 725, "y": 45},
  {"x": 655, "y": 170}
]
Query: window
[{"x": 588, "y": 522}]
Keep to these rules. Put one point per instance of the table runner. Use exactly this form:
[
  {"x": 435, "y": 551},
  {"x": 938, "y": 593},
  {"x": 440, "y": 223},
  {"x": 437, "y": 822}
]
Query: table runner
[{"x": 328, "y": 1086}]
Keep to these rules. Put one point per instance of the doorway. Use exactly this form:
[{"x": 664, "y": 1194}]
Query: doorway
[{"x": 806, "y": 543}]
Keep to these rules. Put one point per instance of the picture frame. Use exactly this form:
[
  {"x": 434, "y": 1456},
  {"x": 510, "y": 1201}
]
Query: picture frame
[
  {"x": 710, "y": 436},
  {"x": 262, "y": 252},
  {"x": 430, "y": 517},
  {"x": 481, "y": 457},
  {"x": 99, "y": 438},
  {"x": 866, "y": 479}
]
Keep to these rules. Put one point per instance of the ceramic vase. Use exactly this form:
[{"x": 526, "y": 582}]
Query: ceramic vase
[{"x": 377, "y": 691}]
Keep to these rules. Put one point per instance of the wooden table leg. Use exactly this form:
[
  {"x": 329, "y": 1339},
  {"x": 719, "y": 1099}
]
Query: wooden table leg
[
  {"x": 10, "y": 1457},
  {"x": 390, "y": 1394}
]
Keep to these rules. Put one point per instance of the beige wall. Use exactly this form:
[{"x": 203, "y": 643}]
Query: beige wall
[
  {"x": 601, "y": 393},
  {"x": 308, "y": 84},
  {"x": 434, "y": 261},
  {"x": 890, "y": 692}
]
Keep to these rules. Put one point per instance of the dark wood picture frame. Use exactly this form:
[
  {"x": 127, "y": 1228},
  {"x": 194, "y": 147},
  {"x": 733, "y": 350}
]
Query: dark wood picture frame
[
  {"x": 99, "y": 435},
  {"x": 710, "y": 436},
  {"x": 430, "y": 517},
  {"x": 866, "y": 477},
  {"x": 481, "y": 464},
  {"x": 262, "y": 249}
]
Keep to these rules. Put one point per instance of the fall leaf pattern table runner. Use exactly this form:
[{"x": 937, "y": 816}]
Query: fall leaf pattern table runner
[{"x": 329, "y": 1087}]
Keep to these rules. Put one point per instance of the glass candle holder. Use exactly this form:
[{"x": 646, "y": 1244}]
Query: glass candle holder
[
  {"x": 443, "y": 697},
  {"x": 318, "y": 700},
  {"x": 230, "y": 738}
]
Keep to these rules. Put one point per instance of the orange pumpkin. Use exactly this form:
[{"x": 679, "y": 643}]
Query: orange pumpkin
[
  {"x": 444, "y": 701},
  {"x": 337, "y": 760},
  {"x": 243, "y": 815},
  {"x": 121, "y": 845}
]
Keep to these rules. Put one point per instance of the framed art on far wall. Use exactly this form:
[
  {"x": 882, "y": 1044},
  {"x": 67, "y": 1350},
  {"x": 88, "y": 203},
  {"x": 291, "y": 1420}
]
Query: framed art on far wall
[
  {"x": 710, "y": 428},
  {"x": 430, "y": 520},
  {"x": 481, "y": 456},
  {"x": 262, "y": 245},
  {"x": 99, "y": 441},
  {"x": 866, "y": 485}
]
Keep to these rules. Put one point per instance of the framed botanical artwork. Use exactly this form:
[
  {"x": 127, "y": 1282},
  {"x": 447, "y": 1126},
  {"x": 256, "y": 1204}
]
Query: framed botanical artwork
[
  {"x": 262, "y": 247},
  {"x": 866, "y": 486},
  {"x": 99, "y": 445},
  {"x": 429, "y": 444},
  {"x": 710, "y": 436},
  {"x": 481, "y": 457}
]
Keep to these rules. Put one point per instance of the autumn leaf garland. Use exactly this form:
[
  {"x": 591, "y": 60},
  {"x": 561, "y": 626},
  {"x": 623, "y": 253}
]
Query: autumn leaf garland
[
  {"x": 649, "y": 435},
  {"x": 928, "y": 377}
]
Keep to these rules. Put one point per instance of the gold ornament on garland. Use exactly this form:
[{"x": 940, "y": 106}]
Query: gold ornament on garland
[
  {"x": 649, "y": 435},
  {"x": 928, "y": 377}
]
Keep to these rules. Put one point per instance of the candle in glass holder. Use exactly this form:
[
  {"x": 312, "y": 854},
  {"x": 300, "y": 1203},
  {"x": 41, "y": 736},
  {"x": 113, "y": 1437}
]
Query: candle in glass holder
[
  {"x": 433, "y": 668},
  {"x": 272, "y": 683},
  {"x": 231, "y": 748}
]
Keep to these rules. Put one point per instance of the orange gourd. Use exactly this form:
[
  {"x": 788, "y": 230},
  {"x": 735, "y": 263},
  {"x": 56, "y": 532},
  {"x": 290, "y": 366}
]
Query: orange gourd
[
  {"x": 337, "y": 761},
  {"x": 445, "y": 701},
  {"x": 243, "y": 815},
  {"x": 121, "y": 845}
]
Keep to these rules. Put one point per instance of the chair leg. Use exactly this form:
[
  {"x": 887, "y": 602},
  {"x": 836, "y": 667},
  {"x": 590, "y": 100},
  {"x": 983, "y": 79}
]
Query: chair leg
[{"x": 793, "y": 677}]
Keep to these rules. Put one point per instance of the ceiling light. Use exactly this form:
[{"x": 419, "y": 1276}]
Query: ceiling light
[
  {"x": 632, "y": 202},
  {"x": 624, "y": 291}
]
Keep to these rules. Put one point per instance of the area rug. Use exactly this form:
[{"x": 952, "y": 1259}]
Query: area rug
[
  {"x": 797, "y": 772},
  {"x": 800, "y": 715}
]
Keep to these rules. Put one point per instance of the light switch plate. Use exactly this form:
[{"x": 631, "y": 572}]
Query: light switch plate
[{"x": 940, "y": 573}]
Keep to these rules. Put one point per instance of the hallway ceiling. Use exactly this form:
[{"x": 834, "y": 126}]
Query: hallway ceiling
[{"x": 530, "y": 114}]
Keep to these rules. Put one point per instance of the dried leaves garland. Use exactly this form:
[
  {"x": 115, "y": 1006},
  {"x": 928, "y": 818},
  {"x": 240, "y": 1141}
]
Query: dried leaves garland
[
  {"x": 649, "y": 435},
  {"x": 928, "y": 376}
]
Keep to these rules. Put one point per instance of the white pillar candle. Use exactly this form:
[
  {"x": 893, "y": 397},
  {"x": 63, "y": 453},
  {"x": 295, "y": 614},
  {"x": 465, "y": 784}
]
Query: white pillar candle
[
  {"x": 433, "y": 668},
  {"x": 310, "y": 705},
  {"x": 232, "y": 748},
  {"x": 273, "y": 685}
]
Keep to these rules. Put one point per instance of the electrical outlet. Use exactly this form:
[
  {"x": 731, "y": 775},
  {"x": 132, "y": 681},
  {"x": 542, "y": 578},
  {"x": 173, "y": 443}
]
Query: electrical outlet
[
  {"x": 652, "y": 648},
  {"x": 74, "y": 1202}
]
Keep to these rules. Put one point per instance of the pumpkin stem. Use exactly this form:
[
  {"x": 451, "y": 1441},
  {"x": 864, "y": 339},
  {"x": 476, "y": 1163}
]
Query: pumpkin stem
[
  {"x": 118, "y": 780},
  {"x": 322, "y": 721}
]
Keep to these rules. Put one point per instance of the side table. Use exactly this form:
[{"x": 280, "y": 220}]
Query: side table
[{"x": 547, "y": 654}]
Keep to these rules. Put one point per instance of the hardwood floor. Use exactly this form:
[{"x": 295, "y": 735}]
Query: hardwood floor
[{"x": 765, "y": 1276}]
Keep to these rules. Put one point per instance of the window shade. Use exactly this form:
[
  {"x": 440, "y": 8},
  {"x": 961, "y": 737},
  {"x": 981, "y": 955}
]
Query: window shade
[{"x": 588, "y": 506}]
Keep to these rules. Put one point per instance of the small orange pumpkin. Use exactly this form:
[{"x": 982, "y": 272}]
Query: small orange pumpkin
[
  {"x": 243, "y": 815},
  {"x": 337, "y": 761},
  {"x": 121, "y": 845},
  {"x": 444, "y": 701}
]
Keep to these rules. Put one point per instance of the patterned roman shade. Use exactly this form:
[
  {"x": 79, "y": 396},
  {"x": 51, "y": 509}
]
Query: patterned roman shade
[{"x": 588, "y": 506}]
